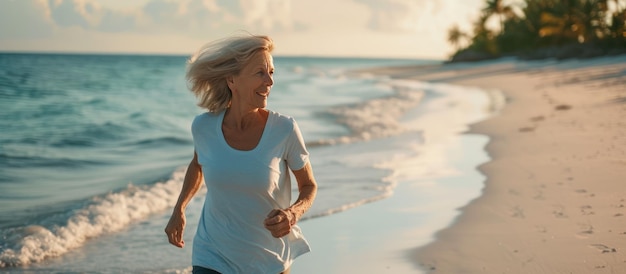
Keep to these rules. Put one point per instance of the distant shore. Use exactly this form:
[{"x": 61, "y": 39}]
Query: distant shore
[
  {"x": 554, "y": 200},
  {"x": 564, "y": 52}
]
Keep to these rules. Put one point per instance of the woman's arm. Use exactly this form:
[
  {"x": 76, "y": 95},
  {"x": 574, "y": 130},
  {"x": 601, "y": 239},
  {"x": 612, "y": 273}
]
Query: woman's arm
[
  {"x": 280, "y": 221},
  {"x": 307, "y": 188},
  {"x": 193, "y": 180}
]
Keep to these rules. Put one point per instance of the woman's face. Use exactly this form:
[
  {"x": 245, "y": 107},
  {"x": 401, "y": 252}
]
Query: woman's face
[{"x": 252, "y": 86}]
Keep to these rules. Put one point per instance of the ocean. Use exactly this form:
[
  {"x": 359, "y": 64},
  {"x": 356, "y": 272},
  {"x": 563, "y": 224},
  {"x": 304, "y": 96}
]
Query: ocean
[{"x": 93, "y": 150}]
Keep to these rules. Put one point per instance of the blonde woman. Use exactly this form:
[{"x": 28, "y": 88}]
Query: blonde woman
[{"x": 244, "y": 152}]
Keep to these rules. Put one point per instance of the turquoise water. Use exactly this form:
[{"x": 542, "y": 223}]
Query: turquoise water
[{"x": 93, "y": 149}]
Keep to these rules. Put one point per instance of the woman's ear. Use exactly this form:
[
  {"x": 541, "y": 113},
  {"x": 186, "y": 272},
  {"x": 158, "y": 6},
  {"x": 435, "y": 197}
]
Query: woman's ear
[{"x": 230, "y": 81}]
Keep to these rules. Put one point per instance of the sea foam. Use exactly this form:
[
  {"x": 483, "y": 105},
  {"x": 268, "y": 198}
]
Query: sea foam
[{"x": 99, "y": 216}]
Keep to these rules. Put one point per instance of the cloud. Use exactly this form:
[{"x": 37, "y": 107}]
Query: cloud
[
  {"x": 323, "y": 27},
  {"x": 183, "y": 17},
  {"x": 186, "y": 17},
  {"x": 267, "y": 15},
  {"x": 255, "y": 15},
  {"x": 417, "y": 15},
  {"x": 330, "y": 16},
  {"x": 89, "y": 15},
  {"x": 113, "y": 21},
  {"x": 395, "y": 15},
  {"x": 24, "y": 19},
  {"x": 71, "y": 13}
]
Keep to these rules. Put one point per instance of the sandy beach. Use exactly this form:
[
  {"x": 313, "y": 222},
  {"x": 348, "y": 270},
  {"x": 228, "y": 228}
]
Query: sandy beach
[{"x": 553, "y": 200}]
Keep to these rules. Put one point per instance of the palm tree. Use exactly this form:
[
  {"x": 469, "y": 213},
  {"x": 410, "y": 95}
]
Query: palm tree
[
  {"x": 546, "y": 23},
  {"x": 456, "y": 36},
  {"x": 575, "y": 20},
  {"x": 495, "y": 7},
  {"x": 617, "y": 28},
  {"x": 483, "y": 38}
]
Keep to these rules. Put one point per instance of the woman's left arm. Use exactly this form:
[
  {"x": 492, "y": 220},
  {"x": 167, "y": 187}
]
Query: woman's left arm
[
  {"x": 307, "y": 187},
  {"x": 280, "y": 221}
]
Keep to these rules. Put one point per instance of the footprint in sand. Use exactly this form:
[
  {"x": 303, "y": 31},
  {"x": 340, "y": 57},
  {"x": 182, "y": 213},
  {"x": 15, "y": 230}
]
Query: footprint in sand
[
  {"x": 619, "y": 205},
  {"x": 559, "y": 211},
  {"x": 618, "y": 100},
  {"x": 532, "y": 119},
  {"x": 526, "y": 129},
  {"x": 563, "y": 107},
  {"x": 587, "y": 210},
  {"x": 537, "y": 118},
  {"x": 586, "y": 229},
  {"x": 517, "y": 212},
  {"x": 604, "y": 248},
  {"x": 584, "y": 191}
]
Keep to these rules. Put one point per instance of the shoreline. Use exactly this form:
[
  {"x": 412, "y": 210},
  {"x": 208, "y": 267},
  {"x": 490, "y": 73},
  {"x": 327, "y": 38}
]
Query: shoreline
[
  {"x": 441, "y": 173},
  {"x": 378, "y": 237},
  {"x": 552, "y": 197},
  {"x": 553, "y": 201}
]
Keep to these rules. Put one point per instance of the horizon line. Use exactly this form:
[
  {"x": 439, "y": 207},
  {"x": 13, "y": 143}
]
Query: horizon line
[{"x": 172, "y": 54}]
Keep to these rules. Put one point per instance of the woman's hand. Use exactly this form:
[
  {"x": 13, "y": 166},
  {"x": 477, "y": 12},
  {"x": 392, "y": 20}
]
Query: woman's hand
[
  {"x": 279, "y": 222},
  {"x": 191, "y": 184},
  {"x": 175, "y": 228}
]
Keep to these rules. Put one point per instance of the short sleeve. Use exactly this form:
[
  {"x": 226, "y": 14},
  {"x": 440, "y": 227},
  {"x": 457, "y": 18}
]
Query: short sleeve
[
  {"x": 196, "y": 126},
  {"x": 297, "y": 155}
]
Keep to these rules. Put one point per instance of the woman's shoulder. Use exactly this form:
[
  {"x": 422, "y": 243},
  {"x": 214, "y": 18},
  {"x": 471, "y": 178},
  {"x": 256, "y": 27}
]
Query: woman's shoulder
[
  {"x": 282, "y": 120},
  {"x": 205, "y": 117}
]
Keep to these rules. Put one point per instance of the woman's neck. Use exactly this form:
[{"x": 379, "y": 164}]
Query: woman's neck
[{"x": 242, "y": 119}]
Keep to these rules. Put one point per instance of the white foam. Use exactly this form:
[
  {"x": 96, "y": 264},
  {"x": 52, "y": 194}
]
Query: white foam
[
  {"x": 406, "y": 136},
  {"x": 102, "y": 215},
  {"x": 376, "y": 118}
]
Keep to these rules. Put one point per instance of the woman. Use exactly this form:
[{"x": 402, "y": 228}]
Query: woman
[{"x": 244, "y": 152}]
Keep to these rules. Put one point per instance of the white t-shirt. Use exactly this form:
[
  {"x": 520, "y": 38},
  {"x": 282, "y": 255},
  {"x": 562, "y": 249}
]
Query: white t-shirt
[{"x": 242, "y": 188}]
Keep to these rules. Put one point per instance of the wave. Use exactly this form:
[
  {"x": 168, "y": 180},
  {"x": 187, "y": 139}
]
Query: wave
[
  {"x": 30, "y": 161},
  {"x": 66, "y": 230},
  {"x": 385, "y": 191},
  {"x": 375, "y": 118},
  {"x": 169, "y": 140},
  {"x": 99, "y": 216}
]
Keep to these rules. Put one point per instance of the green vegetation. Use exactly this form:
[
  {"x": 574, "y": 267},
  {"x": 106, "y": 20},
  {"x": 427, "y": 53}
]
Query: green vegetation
[{"x": 535, "y": 29}]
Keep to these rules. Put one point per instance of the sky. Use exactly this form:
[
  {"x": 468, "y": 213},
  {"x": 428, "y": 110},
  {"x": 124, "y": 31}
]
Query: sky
[{"x": 414, "y": 29}]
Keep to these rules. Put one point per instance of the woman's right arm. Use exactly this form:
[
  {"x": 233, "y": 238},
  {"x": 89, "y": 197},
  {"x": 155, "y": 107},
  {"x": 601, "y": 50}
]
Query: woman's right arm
[{"x": 191, "y": 184}]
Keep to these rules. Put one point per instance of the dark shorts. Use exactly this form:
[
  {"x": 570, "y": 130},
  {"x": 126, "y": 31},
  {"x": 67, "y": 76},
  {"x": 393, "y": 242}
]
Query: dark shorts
[{"x": 202, "y": 270}]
